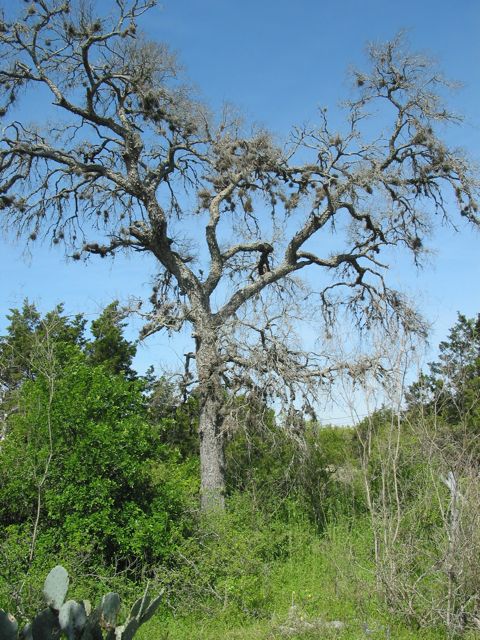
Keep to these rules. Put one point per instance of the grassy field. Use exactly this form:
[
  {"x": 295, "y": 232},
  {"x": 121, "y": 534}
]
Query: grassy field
[{"x": 326, "y": 592}]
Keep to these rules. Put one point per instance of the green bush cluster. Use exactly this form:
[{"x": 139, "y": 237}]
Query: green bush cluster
[
  {"x": 225, "y": 567},
  {"x": 318, "y": 473},
  {"x": 99, "y": 471},
  {"x": 85, "y": 478}
]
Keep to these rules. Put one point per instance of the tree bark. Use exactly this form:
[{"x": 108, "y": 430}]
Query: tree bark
[{"x": 212, "y": 458}]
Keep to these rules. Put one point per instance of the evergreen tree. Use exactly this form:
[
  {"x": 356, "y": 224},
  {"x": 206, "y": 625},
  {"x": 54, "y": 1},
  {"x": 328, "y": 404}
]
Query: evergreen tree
[
  {"x": 450, "y": 392},
  {"x": 108, "y": 346},
  {"x": 26, "y": 329}
]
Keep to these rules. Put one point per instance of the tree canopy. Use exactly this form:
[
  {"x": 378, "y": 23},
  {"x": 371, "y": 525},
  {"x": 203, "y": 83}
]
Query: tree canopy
[{"x": 135, "y": 163}]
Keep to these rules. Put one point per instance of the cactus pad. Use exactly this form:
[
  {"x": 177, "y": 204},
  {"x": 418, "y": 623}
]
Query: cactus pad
[
  {"x": 8, "y": 626},
  {"x": 150, "y": 610},
  {"x": 72, "y": 618},
  {"x": 110, "y": 607},
  {"x": 140, "y": 606},
  {"x": 55, "y": 587},
  {"x": 130, "y": 629},
  {"x": 45, "y": 626},
  {"x": 76, "y": 620}
]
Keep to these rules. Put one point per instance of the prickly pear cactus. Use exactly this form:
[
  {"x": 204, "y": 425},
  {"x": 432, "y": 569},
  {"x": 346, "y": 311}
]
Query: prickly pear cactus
[
  {"x": 8, "y": 626},
  {"x": 56, "y": 587},
  {"x": 76, "y": 620},
  {"x": 152, "y": 607},
  {"x": 45, "y": 626},
  {"x": 72, "y": 618},
  {"x": 110, "y": 607},
  {"x": 142, "y": 610}
]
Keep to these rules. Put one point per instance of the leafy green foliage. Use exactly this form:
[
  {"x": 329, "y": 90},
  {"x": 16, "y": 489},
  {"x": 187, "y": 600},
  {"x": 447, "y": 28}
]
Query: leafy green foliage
[
  {"x": 109, "y": 347},
  {"x": 99, "y": 490},
  {"x": 84, "y": 476},
  {"x": 27, "y": 329},
  {"x": 226, "y": 564},
  {"x": 177, "y": 422},
  {"x": 99, "y": 470},
  {"x": 318, "y": 471}
]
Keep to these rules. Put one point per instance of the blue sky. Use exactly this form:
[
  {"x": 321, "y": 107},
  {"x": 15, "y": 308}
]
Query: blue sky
[{"x": 278, "y": 61}]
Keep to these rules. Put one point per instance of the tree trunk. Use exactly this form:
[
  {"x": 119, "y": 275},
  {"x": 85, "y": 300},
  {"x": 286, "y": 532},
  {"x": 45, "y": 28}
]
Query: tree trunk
[{"x": 212, "y": 459}]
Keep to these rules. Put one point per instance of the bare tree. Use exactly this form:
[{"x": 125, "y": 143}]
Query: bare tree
[{"x": 133, "y": 162}]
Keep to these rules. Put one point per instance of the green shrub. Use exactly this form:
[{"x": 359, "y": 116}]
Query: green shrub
[
  {"x": 81, "y": 457},
  {"x": 318, "y": 471},
  {"x": 225, "y": 567}
]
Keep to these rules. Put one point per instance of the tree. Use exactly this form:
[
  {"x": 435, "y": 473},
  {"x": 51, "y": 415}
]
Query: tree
[
  {"x": 448, "y": 395},
  {"x": 26, "y": 329},
  {"x": 98, "y": 491},
  {"x": 109, "y": 347},
  {"x": 84, "y": 475},
  {"x": 134, "y": 163},
  {"x": 455, "y": 372},
  {"x": 17, "y": 350}
]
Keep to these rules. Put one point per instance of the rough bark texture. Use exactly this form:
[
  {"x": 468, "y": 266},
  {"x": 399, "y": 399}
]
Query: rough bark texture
[{"x": 212, "y": 459}]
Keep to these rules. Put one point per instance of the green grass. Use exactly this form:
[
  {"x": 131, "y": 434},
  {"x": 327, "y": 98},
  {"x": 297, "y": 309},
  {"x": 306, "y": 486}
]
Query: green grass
[
  {"x": 331, "y": 579},
  {"x": 195, "y": 629}
]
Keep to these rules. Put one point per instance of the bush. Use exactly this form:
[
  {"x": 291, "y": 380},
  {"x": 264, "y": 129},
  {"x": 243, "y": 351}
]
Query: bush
[
  {"x": 225, "y": 567},
  {"x": 85, "y": 480},
  {"x": 319, "y": 471}
]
